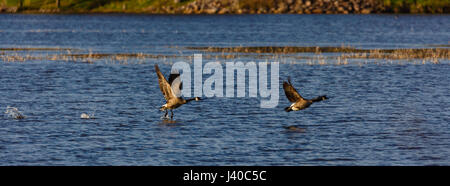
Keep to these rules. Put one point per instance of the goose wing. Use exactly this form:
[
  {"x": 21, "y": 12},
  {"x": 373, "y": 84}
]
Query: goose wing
[
  {"x": 164, "y": 85},
  {"x": 292, "y": 94},
  {"x": 176, "y": 84}
]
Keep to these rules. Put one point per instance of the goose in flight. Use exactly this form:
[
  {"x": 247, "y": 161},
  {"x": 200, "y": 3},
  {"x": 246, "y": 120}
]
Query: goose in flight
[
  {"x": 298, "y": 102},
  {"x": 172, "y": 92}
]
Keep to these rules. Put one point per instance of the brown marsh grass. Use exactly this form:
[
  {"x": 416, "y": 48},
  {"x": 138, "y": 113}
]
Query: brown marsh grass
[
  {"x": 343, "y": 55},
  {"x": 355, "y": 52}
]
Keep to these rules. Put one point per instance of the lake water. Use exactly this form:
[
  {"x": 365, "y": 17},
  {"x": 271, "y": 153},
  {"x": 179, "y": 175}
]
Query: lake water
[{"x": 378, "y": 113}]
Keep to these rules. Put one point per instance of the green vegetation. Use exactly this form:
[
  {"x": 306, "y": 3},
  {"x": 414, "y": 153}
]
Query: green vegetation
[
  {"x": 89, "y": 6},
  {"x": 166, "y": 6},
  {"x": 417, "y": 6}
]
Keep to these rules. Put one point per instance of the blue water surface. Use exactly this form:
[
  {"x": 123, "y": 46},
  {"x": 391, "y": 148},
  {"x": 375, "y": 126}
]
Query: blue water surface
[{"x": 389, "y": 114}]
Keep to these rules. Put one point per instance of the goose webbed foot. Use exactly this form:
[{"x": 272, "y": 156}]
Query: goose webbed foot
[{"x": 166, "y": 115}]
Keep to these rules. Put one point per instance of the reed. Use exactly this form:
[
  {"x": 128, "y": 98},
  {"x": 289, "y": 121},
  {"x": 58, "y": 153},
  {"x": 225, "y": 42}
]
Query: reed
[{"x": 285, "y": 55}]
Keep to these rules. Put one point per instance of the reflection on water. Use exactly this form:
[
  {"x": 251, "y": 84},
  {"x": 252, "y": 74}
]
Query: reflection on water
[{"x": 379, "y": 113}]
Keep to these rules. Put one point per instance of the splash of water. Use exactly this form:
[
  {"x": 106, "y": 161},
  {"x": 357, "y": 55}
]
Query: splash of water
[
  {"x": 87, "y": 116},
  {"x": 14, "y": 113}
]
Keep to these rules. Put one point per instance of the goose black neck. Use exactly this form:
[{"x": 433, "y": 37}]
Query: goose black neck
[
  {"x": 319, "y": 98},
  {"x": 192, "y": 99}
]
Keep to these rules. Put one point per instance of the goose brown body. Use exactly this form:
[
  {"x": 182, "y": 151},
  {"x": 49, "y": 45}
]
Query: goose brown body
[
  {"x": 298, "y": 102},
  {"x": 172, "y": 91}
]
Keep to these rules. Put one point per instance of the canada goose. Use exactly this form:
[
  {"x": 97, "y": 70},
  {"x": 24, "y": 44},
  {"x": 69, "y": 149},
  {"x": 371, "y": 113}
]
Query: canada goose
[
  {"x": 172, "y": 92},
  {"x": 298, "y": 102}
]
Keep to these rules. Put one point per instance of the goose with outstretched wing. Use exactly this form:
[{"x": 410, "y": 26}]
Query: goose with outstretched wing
[
  {"x": 172, "y": 92},
  {"x": 298, "y": 102}
]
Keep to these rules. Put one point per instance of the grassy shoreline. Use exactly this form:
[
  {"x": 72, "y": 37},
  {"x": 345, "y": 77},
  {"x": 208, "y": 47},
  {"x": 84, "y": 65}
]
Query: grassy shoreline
[{"x": 225, "y": 6}]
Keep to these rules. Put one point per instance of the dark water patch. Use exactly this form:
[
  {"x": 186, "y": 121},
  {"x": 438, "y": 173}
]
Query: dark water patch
[
  {"x": 410, "y": 148},
  {"x": 331, "y": 159},
  {"x": 430, "y": 158}
]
